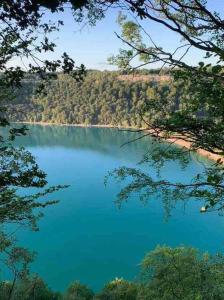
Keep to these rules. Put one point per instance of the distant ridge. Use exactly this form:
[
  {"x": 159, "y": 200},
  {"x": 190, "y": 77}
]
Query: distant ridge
[{"x": 147, "y": 78}]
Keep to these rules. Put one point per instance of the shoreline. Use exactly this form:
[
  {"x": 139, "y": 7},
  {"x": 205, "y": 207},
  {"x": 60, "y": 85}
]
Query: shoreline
[
  {"x": 79, "y": 125},
  {"x": 178, "y": 142}
]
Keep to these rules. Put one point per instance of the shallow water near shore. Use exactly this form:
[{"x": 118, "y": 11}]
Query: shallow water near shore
[{"x": 86, "y": 237}]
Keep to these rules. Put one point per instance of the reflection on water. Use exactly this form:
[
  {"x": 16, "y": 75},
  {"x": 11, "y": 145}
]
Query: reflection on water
[
  {"x": 108, "y": 141},
  {"x": 104, "y": 140}
]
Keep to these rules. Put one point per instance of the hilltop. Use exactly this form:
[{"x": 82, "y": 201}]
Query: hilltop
[{"x": 103, "y": 98}]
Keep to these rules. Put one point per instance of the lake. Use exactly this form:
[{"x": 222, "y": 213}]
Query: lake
[{"x": 86, "y": 237}]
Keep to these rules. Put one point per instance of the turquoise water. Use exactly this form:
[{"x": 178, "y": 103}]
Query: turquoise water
[{"x": 86, "y": 237}]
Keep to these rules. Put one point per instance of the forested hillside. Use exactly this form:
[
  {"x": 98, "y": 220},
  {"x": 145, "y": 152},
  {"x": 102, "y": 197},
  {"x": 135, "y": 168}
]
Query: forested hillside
[{"x": 103, "y": 98}]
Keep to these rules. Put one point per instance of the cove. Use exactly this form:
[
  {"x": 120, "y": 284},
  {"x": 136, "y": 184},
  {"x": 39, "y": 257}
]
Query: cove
[{"x": 86, "y": 237}]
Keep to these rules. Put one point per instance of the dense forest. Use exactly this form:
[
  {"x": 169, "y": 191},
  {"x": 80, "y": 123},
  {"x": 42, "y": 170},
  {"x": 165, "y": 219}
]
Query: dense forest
[
  {"x": 103, "y": 98},
  {"x": 166, "y": 274}
]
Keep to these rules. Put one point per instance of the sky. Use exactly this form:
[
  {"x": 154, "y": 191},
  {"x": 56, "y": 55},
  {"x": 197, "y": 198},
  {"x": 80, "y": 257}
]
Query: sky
[{"x": 92, "y": 45}]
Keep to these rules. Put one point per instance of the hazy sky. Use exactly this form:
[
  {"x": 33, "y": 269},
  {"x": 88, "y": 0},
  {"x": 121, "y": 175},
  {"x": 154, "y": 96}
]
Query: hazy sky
[{"x": 93, "y": 45}]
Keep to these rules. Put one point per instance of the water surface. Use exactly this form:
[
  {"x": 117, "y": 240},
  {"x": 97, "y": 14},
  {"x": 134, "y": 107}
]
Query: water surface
[{"x": 86, "y": 237}]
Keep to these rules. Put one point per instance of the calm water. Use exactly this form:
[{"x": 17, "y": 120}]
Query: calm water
[{"x": 85, "y": 237}]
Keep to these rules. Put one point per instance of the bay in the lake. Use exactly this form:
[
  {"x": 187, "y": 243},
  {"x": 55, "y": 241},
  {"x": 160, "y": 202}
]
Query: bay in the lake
[{"x": 86, "y": 237}]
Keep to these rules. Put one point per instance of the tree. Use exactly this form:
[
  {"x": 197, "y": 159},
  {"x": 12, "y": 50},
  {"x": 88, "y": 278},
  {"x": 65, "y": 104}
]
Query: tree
[
  {"x": 21, "y": 23},
  {"x": 24, "y": 35},
  {"x": 78, "y": 291},
  {"x": 119, "y": 289},
  {"x": 166, "y": 274},
  {"x": 17, "y": 260},
  {"x": 181, "y": 273},
  {"x": 66, "y": 101},
  {"x": 28, "y": 288},
  {"x": 198, "y": 119},
  {"x": 197, "y": 116}
]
